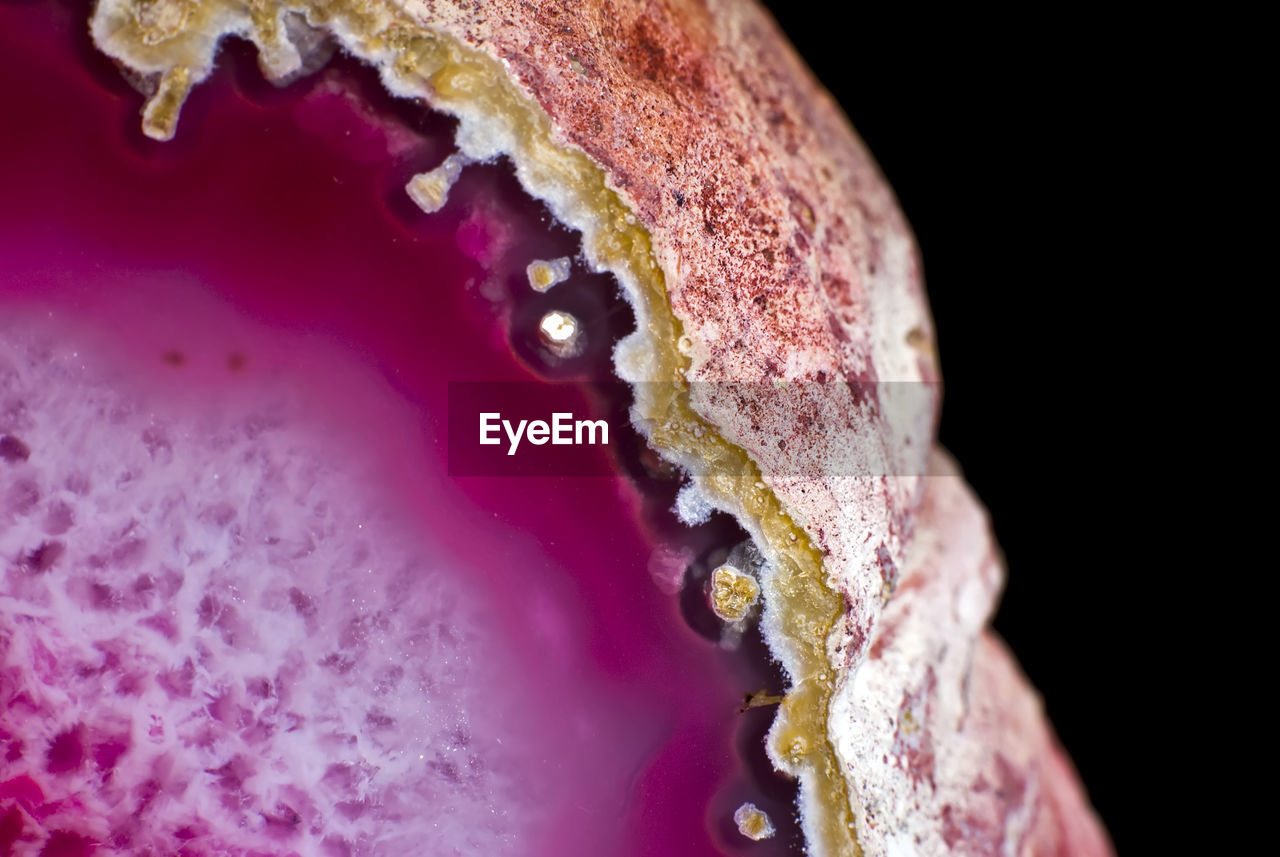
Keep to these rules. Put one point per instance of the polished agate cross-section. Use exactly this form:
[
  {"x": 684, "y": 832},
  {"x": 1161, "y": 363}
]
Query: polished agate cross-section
[{"x": 244, "y": 607}]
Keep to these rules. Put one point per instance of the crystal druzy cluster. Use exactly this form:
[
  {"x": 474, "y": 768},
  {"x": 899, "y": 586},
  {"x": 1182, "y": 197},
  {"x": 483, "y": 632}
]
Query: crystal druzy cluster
[{"x": 249, "y": 603}]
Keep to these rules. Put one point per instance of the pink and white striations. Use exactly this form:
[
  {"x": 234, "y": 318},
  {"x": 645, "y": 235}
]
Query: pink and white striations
[{"x": 225, "y": 633}]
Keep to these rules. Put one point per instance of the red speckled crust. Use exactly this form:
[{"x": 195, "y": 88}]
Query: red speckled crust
[
  {"x": 1062, "y": 822},
  {"x": 1026, "y": 797},
  {"x": 944, "y": 743}
]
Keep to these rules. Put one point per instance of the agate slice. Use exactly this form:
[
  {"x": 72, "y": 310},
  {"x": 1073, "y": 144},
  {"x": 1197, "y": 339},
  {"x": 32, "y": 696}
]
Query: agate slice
[{"x": 256, "y": 599}]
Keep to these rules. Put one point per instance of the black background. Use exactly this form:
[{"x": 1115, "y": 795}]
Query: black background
[{"x": 1012, "y": 146}]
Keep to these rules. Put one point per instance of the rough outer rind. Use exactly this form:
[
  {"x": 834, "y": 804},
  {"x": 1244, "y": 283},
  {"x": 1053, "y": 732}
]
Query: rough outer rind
[{"x": 944, "y": 744}]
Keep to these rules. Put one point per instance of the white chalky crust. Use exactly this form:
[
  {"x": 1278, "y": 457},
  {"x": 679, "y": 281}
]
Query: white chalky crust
[
  {"x": 236, "y": 607},
  {"x": 945, "y": 746}
]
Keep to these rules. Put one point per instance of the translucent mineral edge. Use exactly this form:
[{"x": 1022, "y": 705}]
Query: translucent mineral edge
[{"x": 171, "y": 44}]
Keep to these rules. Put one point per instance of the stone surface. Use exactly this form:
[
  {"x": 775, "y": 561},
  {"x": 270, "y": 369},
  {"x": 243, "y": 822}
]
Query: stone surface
[
  {"x": 944, "y": 742},
  {"x": 245, "y": 608},
  {"x": 797, "y": 285}
]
